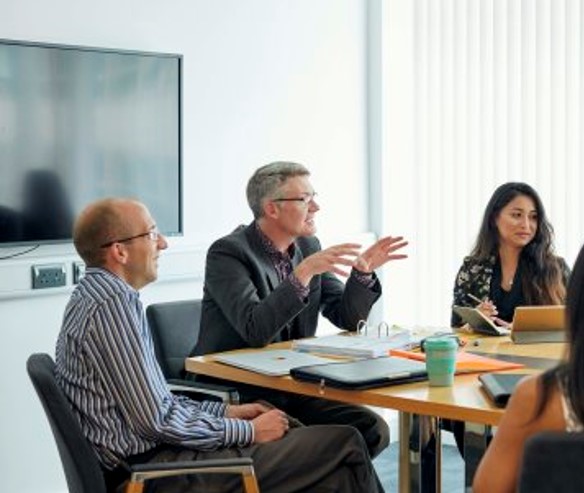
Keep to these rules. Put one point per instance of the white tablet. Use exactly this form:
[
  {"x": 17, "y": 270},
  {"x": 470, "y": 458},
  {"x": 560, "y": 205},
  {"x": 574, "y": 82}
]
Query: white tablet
[{"x": 479, "y": 321}]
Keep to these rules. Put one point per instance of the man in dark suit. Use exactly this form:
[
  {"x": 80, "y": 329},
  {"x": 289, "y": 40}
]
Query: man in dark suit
[{"x": 266, "y": 282}]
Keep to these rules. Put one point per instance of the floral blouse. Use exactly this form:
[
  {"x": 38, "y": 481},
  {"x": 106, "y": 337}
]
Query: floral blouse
[{"x": 475, "y": 277}]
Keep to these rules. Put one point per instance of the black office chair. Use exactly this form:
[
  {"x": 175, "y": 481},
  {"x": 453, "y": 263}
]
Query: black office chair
[
  {"x": 552, "y": 463},
  {"x": 80, "y": 464},
  {"x": 175, "y": 331}
]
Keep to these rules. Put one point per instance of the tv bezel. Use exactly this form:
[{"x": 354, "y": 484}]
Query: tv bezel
[{"x": 122, "y": 51}]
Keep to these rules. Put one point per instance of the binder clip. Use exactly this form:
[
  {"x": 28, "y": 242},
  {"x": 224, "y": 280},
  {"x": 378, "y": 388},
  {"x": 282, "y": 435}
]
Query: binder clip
[
  {"x": 362, "y": 325},
  {"x": 382, "y": 325}
]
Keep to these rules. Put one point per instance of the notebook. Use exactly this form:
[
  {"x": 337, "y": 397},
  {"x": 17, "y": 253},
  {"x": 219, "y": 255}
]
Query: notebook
[
  {"x": 275, "y": 362},
  {"x": 466, "y": 362},
  {"x": 500, "y": 386},
  {"x": 363, "y": 374},
  {"x": 535, "y": 324},
  {"x": 357, "y": 346},
  {"x": 479, "y": 321}
]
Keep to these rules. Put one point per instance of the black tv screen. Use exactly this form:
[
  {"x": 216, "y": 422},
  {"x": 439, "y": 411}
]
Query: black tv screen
[{"x": 78, "y": 124}]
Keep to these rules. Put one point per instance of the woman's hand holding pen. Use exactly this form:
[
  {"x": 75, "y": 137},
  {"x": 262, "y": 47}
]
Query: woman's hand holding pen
[
  {"x": 488, "y": 308},
  {"x": 485, "y": 306}
]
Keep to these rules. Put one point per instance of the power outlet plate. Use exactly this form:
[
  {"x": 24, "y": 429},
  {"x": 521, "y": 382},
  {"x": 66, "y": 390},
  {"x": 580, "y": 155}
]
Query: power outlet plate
[
  {"x": 48, "y": 276},
  {"x": 78, "y": 271}
]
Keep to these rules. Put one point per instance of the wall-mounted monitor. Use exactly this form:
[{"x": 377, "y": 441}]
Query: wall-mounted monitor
[{"x": 78, "y": 124}]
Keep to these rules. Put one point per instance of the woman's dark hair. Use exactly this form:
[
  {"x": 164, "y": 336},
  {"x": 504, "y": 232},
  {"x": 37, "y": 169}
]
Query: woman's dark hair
[
  {"x": 542, "y": 280},
  {"x": 572, "y": 372}
]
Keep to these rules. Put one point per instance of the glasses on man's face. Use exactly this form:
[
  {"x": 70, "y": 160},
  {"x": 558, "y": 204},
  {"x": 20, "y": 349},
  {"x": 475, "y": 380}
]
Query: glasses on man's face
[
  {"x": 305, "y": 199},
  {"x": 153, "y": 235}
]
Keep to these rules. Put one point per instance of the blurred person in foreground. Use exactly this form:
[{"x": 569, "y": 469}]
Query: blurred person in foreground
[{"x": 551, "y": 401}]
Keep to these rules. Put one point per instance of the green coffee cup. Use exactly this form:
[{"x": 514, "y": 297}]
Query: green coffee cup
[{"x": 440, "y": 360}]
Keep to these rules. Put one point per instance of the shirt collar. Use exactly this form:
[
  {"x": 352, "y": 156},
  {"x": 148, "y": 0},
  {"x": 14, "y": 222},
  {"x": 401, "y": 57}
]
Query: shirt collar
[
  {"x": 100, "y": 271},
  {"x": 270, "y": 248}
]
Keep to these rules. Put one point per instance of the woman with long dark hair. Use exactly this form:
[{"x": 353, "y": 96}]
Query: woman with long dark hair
[
  {"x": 513, "y": 261},
  {"x": 552, "y": 401}
]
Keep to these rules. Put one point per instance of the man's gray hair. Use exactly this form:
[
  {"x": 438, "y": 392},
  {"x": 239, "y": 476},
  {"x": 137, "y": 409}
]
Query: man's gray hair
[{"x": 266, "y": 180}]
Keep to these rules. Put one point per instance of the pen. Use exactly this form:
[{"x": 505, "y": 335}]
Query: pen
[{"x": 473, "y": 297}]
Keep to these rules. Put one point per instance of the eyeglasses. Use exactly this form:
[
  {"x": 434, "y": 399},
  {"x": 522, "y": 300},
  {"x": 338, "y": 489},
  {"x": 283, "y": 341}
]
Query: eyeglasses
[
  {"x": 306, "y": 199},
  {"x": 153, "y": 235}
]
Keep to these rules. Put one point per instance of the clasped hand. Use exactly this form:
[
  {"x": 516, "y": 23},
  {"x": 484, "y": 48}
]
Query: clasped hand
[
  {"x": 337, "y": 258},
  {"x": 269, "y": 424}
]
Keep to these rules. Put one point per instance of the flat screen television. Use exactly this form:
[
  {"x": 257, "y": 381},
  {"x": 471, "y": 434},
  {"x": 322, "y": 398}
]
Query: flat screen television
[{"x": 78, "y": 124}]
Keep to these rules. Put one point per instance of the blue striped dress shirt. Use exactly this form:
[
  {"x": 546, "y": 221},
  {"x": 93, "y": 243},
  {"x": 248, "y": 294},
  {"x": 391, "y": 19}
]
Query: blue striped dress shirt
[{"x": 105, "y": 363}]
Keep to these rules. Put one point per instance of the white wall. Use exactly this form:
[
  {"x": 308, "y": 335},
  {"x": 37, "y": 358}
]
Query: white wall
[{"x": 264, "y": 80}]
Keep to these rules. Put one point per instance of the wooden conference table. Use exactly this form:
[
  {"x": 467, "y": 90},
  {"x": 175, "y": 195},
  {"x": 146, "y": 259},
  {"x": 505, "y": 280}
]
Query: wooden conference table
[{"x": 420, "y": 407}]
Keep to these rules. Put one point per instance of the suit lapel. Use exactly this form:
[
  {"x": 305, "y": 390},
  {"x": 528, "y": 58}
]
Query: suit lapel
[{"x": 263, "y": 257}]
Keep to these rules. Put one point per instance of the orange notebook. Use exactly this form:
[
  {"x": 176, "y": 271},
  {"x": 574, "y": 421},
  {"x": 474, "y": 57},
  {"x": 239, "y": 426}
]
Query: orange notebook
[{"x": 465, "y": 362}]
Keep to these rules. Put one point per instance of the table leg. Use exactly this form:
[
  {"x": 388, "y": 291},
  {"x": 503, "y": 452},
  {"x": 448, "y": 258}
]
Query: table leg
[
  {"x": 476, "y": 439},
  {"x": 420, "y": 454}
]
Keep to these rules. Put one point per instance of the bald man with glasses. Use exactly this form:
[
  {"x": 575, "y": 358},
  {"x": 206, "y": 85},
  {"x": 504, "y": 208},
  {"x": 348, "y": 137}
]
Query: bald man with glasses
[
  {"x": 106, "y": 365},
  {"x": 268, "y": 281}
]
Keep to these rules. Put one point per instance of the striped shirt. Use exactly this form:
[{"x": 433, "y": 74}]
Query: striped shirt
[{"x": 106, "y": 365}]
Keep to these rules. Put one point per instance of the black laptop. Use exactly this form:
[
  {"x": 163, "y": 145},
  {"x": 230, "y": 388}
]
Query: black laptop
[{"x": 364, "y": 373}]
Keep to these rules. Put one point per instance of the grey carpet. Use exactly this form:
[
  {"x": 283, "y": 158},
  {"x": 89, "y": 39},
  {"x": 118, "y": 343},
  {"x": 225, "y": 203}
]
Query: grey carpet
[{"x": 386, "y": 465}]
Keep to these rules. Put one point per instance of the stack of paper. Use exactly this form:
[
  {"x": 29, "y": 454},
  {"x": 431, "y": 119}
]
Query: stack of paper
[{"x": 357, "y": 346}]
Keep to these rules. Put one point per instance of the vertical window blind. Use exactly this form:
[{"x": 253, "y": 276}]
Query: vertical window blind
[{"x": 475, "y": 93}]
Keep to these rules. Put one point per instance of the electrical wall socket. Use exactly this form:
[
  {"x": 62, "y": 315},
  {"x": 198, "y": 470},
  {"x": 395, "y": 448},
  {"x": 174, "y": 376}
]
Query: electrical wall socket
[
  {"x": 48, "y": 276},
  {"x": 78, "y": 271}
]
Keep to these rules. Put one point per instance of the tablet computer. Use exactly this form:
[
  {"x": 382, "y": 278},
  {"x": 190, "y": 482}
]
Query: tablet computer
[
  {"x": 536, "y": 324},
  {"x": 479, "y": 321}
]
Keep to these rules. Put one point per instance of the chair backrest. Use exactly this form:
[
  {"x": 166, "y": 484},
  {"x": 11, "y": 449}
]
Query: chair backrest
[
  {"x": 552, "y": 462},
  {"x": 82, "y": 468},
  {"x": 175, "y": 331}
]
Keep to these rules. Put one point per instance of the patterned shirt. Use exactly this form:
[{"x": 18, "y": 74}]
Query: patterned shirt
[{"x": 106, "y": 365}]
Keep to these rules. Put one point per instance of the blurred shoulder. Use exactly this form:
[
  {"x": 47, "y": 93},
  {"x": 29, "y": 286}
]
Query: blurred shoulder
[{"x": 524, "y": 404}]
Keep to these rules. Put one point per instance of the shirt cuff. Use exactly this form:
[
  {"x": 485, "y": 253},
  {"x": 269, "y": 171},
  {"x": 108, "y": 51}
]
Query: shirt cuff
[
  {"x": 365, "y": 278},
  {"x": 238, "y": 432},
  {"x": 301, "y": 290}
]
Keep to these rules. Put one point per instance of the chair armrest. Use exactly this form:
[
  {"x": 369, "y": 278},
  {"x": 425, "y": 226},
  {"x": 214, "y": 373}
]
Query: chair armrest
[
  {"x": 229, "y": 395},
  {"x": 145, "y": 472},
  {"x": 552, "y": 462}
]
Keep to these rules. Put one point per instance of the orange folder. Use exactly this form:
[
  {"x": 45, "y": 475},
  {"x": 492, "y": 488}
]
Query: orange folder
[{"x": 465, "y": 362}]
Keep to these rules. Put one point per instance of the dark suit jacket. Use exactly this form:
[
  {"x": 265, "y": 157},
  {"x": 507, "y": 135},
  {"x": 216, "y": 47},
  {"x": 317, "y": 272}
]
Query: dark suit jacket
[{"x": 244, "y": 304}]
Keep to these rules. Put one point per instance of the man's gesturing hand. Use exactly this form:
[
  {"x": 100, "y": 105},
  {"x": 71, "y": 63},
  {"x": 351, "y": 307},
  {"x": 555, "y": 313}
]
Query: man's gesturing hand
[
  {"x": 331, "y": 259},
  {"x": 380, "y": 253}
]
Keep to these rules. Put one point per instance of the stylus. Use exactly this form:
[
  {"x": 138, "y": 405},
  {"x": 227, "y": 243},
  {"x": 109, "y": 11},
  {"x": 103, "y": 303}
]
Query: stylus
[{"x": 473, "y": 297}]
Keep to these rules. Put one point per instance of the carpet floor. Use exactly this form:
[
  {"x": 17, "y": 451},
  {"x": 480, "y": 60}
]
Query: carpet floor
[{"x": 386, "y": 465}]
